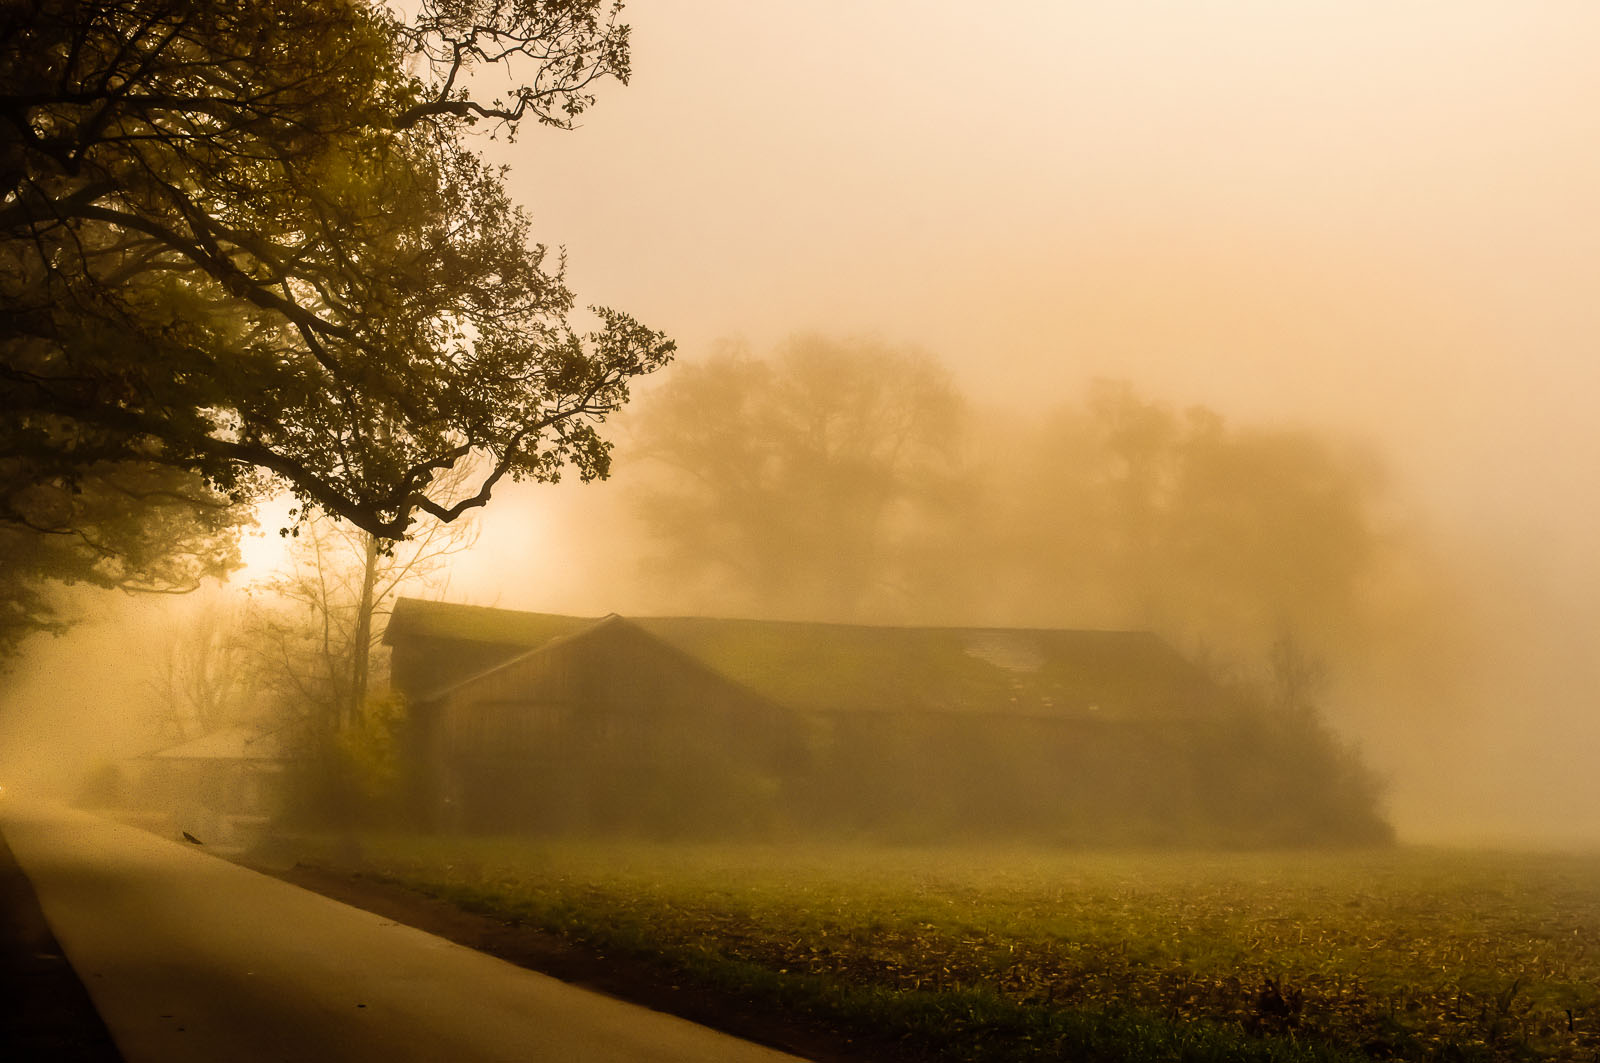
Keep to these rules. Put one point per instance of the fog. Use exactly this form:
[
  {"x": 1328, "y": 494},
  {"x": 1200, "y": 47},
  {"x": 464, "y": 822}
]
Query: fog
[
  {"x": 1369, "y": 221},
  {"x": 1365, "y": 224}
]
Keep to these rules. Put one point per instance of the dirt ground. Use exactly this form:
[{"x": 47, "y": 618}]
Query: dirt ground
[{"x": 622, "y": 977}]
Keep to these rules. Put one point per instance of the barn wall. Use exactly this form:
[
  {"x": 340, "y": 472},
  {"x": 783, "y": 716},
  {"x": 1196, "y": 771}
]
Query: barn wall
[
  {"x": 1244, "y": 778},
  {"x": 918, "y": 776},
  {"x": 607, "y": 731},
  {"x": 614, "y": 731}
]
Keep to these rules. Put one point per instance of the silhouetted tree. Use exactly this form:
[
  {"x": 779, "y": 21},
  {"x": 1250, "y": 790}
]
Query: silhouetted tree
[
  {"x": 207, "y": 673},
  {"x": 814, "y": 483},
  {"x": 128, "y": 525},
  {"x": 1124, "y": 512},
  {"x": 249, "y": 239}
]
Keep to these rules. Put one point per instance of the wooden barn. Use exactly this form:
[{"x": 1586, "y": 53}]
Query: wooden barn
[{"x": 693, "y": 726}]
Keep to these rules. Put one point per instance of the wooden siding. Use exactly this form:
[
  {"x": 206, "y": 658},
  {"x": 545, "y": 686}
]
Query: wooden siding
[{"x": 607, "y": 728}]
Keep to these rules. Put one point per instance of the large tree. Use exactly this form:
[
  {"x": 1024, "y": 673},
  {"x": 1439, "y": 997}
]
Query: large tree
[
  {"x": 848, "y": 481},
  {"x": 813, "y": 483},
  {"x": 1123, "y": 511},
  {"x": 248, "y": 239}
]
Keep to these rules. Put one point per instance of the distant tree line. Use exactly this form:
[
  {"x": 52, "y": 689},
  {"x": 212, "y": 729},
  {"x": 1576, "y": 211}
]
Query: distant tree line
[
  {"x": 849, "y": 480},
  {"x": 852, "y": 481}
]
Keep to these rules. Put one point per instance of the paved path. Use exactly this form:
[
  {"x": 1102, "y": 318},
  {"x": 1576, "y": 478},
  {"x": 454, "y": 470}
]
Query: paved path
[
  {"x": 189, "y": 957},
  {"x": 45, "y": 1014}
]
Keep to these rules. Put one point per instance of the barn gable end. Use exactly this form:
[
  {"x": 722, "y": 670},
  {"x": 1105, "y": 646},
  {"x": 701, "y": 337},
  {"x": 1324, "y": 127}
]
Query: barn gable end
[{"x": 584, "y": 730}]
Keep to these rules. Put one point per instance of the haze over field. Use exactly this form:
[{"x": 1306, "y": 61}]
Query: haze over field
[
  {"x": 1371, "y": 223},
  {"x": 1371, "y": 220}
]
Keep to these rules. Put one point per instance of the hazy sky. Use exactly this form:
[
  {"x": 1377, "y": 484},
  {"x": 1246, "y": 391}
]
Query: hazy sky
[
  {"x": 1376, "y": 215},
  {"x": 1375, "y": 218}
]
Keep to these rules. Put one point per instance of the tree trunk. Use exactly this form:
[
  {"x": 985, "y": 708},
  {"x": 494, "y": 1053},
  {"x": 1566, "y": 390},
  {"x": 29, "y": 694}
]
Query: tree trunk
[{"x": 361, "y": 650}]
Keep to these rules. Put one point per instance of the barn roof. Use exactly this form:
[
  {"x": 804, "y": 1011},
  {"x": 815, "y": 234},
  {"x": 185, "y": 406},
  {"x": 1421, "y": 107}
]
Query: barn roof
[
  {"x": 848, "y": 668},
  {"x": 416, "y": 618},
  {"x": 843, "y": 667}
]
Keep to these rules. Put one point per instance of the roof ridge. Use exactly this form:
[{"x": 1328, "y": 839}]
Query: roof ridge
[
  {"x": 558, "y": 640},
  {"x": 410, "y": 602}
]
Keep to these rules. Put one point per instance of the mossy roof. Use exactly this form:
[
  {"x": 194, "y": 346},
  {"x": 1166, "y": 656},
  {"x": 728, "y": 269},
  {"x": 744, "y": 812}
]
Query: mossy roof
[
  {"x": 416, "y": 618},
  {"x": 860, "y": 668}
]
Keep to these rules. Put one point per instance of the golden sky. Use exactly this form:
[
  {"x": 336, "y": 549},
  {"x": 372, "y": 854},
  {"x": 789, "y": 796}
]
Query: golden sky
[{"x": 1373, "y": 214}]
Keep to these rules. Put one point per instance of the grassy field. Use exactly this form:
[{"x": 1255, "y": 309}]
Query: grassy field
[{"x": 1012, "y": 954}]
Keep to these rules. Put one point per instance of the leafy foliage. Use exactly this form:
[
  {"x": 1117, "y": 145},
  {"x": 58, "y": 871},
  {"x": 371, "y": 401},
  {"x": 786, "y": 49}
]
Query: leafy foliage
[
  {"x": 124, "y": 525},
  {"x": 245, "y": 238},
  {"x": 369, "y": 748},
  {"x": 847, "y": 481},
  {"x": 1232, "y": 536},
  {"x": 806, "y": 484}
]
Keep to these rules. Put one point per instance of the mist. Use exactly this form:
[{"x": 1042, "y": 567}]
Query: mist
[
  {"x": 1367, "y": 222},
  {"x": 1364, "y": 226},
  {"x": 1440, "y": 665},
  {"x": 828, "y": 530}
]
